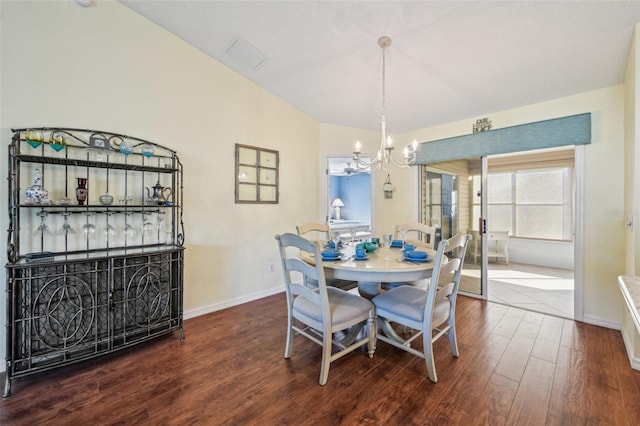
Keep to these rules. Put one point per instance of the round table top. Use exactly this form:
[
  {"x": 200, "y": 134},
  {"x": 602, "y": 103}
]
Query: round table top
[{"x": 376, "y": 268}]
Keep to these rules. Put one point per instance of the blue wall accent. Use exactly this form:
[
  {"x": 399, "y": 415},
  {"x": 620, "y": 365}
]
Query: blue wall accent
[
  {"x": 572, "y": 130},
  {"x": 355, "y": 192}
]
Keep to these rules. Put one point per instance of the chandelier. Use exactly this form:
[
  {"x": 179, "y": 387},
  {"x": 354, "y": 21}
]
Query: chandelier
[{"x": 384, "y": 157}]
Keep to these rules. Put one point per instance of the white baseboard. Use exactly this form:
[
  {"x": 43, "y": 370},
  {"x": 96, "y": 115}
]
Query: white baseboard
[
  {"x": 192, "y": 313},
  {"x": 602, "y": 322}
]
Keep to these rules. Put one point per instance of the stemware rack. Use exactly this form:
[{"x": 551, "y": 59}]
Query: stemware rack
[{"x": 75, "y": 295}]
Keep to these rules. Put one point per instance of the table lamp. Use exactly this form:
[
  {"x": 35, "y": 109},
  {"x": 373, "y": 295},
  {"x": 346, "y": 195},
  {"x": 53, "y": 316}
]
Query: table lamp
[{"x": 337, "y": 203}]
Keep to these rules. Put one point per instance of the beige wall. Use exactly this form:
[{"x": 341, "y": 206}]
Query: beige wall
[
  {"x": 632, "y": 154},
  {"x": 630, "y": 334},
  {"x": 108, "y": 68}
]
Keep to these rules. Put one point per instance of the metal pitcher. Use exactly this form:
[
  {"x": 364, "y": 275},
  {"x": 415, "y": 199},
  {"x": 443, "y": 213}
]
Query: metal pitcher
[{"x": 160, "y": 193}]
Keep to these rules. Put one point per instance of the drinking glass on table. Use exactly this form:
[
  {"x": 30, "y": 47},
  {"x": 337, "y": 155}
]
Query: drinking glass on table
[
  {"x": 386, "y": 241},
  {"x": 403, "y": 236},
  {"x": 335, "y": 237},
  {"x": 353, "y": 236}
]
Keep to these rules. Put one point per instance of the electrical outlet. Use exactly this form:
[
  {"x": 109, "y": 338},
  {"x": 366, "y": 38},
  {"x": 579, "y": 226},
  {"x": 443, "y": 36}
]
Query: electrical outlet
[{"x": 272, "y": 267}]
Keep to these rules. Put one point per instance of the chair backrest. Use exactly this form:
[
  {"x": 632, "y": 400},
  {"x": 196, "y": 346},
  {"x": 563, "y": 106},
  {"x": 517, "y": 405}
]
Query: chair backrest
[
  {"x": 296, "y": 271},
  {"x": 424, "y": 235},
  {"x": 313, "y": 227},
  {"x": 447, "y": 277}
]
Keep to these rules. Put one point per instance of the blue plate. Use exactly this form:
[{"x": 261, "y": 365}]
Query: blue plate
[
  {"x": 360, "y": 258},
  {"x": 396, "y": 245},
  {"x": 409, "y": 259},
  {"x": 330, "y": 259},
  {"x": 417, "y": 254}
]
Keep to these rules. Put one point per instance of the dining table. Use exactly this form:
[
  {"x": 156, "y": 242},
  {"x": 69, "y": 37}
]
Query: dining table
[{"x": 376, "y": 268}]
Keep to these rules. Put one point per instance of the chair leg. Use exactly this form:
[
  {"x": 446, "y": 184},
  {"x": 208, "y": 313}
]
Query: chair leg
[
  {"x": 288, "y": 348},
  {"x": 326, "y": 357},
  {"x": 371, "y": 329},
  {"x": 427, "y": 345},
  {"x": 451, "y": 334}
]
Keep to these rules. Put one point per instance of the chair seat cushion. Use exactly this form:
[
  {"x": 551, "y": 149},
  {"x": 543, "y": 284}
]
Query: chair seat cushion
[
  {"x": 346, "y": 309},
  {"x": 404, "y": 304}
]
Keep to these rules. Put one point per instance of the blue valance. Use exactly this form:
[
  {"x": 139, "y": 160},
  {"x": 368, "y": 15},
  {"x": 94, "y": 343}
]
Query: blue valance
[{"x": 572, "y": 130}]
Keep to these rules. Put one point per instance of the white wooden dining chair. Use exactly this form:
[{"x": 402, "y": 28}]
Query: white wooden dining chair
[
  {"x": 320, "y": 314},
  {"x": 418, "y": 234},
  {"x": 322, "y": 230},
  {"x": 431, "y": 312},
  {"x": 421, "y": 236}
]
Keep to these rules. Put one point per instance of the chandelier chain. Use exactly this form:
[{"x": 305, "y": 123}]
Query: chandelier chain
[
  {"x": 384, "y": 79},
  {"x": 384, "y": 156}
]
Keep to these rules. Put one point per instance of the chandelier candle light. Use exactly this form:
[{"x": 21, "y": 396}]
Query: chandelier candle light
[{"x": 385, "y": 156}]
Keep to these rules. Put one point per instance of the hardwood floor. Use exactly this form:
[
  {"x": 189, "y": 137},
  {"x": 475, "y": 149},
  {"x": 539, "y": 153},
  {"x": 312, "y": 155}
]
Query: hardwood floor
[{"x": 515, "y": 367}]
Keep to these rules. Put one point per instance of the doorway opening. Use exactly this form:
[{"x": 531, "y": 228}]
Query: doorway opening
[
  {"x": 526, "y": 204},
  {"x": 349, "y": 201}
]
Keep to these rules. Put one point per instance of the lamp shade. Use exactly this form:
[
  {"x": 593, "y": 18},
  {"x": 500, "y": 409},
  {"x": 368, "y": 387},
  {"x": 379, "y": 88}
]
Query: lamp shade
[{"x": 337, "y": 203}]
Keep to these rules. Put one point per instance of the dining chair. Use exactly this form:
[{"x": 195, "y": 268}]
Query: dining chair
[
  {"x": 322, "y": 231},
  {"x": 328, "y": 316},
  {"x": 425, "y": 235},
  {"x": 421, "y": 236},
  {"x": 431, "y": 312},
  {"x": 320, "y": 228}
]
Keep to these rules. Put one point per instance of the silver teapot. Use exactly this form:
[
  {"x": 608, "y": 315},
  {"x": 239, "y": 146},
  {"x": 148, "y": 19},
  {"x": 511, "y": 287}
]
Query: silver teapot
[{"x": 160, "y": 194}]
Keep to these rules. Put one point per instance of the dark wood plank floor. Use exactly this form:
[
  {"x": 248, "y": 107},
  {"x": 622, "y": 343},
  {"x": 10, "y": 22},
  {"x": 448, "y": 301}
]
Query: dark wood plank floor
[{"x": 515, "y": 368}]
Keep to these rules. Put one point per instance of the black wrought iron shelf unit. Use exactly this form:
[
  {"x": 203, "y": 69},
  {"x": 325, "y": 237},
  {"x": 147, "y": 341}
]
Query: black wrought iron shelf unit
[{"x": 95, "y": 246}]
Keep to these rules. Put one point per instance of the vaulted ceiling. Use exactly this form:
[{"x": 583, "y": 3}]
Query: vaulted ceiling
[{"x": 449, "y": 60}]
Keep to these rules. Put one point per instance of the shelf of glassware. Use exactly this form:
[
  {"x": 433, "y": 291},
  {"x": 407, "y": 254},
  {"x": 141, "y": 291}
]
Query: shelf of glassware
[
  {"x": 83, "y": 258},
  {"x": 70, "y": 229},
  {"x": 127, "y": 223}
]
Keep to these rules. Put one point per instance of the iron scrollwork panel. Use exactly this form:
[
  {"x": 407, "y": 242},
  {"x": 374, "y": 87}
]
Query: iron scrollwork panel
[
  {"x": 144, "y": 296},
  {"x": 61, "y": 313}
]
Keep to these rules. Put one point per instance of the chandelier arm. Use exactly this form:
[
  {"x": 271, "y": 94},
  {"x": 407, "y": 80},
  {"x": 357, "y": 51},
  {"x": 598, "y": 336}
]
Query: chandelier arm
[
  {"x": 399, "y": 164},
  {"x": 384, "y": 157},
  {"x": 362, "y": 164}
]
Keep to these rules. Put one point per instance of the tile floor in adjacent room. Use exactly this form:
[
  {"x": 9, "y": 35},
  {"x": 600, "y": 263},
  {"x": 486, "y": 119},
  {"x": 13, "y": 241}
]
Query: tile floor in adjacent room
[{"x": 530, "y": 287}]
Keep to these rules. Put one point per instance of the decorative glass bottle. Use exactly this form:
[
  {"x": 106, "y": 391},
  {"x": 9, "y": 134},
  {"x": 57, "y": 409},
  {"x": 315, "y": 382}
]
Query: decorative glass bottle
[
  {"x": 81, "y": 191},
  {"x": 36, "y": 194}
]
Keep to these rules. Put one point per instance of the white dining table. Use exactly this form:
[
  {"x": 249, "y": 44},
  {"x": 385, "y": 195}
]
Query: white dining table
[{"x": 375, "y": 270}]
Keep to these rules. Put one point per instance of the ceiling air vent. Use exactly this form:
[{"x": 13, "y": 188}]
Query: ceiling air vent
[{"x": 246, "y": 54}]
